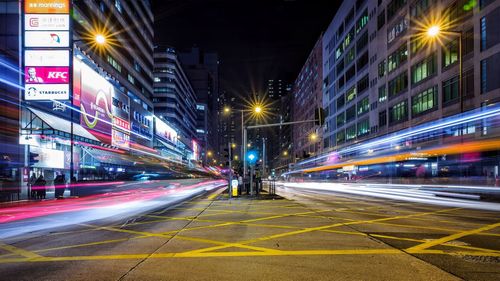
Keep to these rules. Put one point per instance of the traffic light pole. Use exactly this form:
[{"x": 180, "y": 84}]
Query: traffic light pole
[{"x": 230, "y": 171}]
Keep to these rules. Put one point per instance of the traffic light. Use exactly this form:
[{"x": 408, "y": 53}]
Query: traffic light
[
  {"x": 319, "y": 116},
  {"x": 33, "y": 158}
]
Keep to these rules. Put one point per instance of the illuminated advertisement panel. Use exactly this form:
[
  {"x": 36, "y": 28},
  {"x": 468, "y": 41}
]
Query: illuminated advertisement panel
[
  {"x": 46, "y": 57},
  {"x": 48, "y": 158},
  {"x": 46, "y": 75},
  {"x": 95, "y": 101},
  {"x": 164, "y": 131},
  {"x": 52, "y": 39},
  {"x": 120, "y": 139},
  {"x": 46, "y": 91},
  {"x": 121, "y": 110},
  {"x": 141, "y": 123},
  {"x": 33, "y": 22},
  {"x": 46, "y": 6},
  {"x": 196, "y": 150}
]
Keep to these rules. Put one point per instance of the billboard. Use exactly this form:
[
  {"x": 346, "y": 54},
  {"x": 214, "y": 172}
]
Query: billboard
[
  {"x": 141, "y": 123},
  {"x": 95, "y": 100},
  {"x": 120, "y": 139},
  {"x": 46, "y": 75},
  {"x": 56, "y": 39},
  {"x": 164, "y": 131},
  {"x": 46, "y": 22},
  {"x": 46, "y": 57},
  {"x": 46, "y": 91},
  {"x": 46, "y": 6}
]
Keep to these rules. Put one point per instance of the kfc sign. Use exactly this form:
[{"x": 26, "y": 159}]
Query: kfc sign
[
  {"x": 55, "y": 39},
  {"x": 46, "y": 22},
  {"x": 46, "y": 75},
  {"x": 46, "y": 6}
]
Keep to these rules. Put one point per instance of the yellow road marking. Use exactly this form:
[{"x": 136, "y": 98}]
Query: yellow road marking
[
  {"x": 455, "y": 236},
  {"x": 18, "y": 251},
  {"x": 212, "y": 196}
]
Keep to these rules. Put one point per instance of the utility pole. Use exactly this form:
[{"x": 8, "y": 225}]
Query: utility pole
[{"x": 230, "y": 171}]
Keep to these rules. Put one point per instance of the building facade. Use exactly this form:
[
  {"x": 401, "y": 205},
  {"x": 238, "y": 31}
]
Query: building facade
[
  {"x": 307, "y": 97},
  {"x": 202, "y": 69},
  {"x": 174, "y": 98},
  {"x": 382, "y": 75}
]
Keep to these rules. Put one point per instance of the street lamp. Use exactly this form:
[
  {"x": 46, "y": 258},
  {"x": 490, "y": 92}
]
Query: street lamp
[
  {"x": 100, "y": 39},
  {"x": 256, "y": 109}
]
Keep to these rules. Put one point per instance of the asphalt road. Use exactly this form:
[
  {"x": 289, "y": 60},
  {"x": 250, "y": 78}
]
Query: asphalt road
[{"x": 306, "y": 234}]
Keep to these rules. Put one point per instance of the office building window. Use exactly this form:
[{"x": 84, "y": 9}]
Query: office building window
[
  {"x": 483, "y": 77},
  {"x": 340, "y": 119},
  {"x": 338, "y": 51},
  {"x": 483, "y": 33},
  {"x": 424, "y": 101},
  {"x": 363, "y": 84},
  {"x": 363, "y": 106},
  {"x": 340, "y": 137},
  {"x": 362, "y": 21},
  {"x": 398, "y": 84},
  {"x": 340, "y": 102},
  {"x": 362, "y": 61},
  {"x": 468, "y": 80},
  {"x": 382, "y": 118},
  {"x": 114, "y": 63},
  {"x": 490, "y": 67},
  {"x": 393, "y": 7},
  {"x": 363, "y": 127},
  {"x": 416, "y": 44},
  {"x": 350, "y": 73},
  {"x": 362, "y": 42},
  {"x": 419, "y": 7},
  {"x": 468, "y": 42},
  {"x": 350, "y": 132},
  {"x": 118, "y": 5},
  {"x": 350, "y": 55},
  {"x": 381, "y": 20},
  {"x": 349, "y": 38},
  {"x": 130, "y": 78},
  {"x": 423, "y": 69},
  {"x": 397, "y": 30},
  {"x": 350, "y": 113},
  {"x": 397, "y": 58},
  {"x": 398, "y": 113},
  {"x": 351, "y": 94},
  {"x": 450, "y": 53},
  {"x": 382, "y": 94},
  {"x": 340, "y": 66},
  {"x": 450, "y": 90},
  {"x": 381, "y": 69}
]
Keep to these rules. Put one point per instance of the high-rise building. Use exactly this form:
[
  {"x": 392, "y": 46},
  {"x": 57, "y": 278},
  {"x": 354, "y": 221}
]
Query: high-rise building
[
  {"x": 174, "y": 98},
  {"x": 307, "y": 97},
  {"x": 202, "y": 69},
  {"x": 383, "y": 72}
]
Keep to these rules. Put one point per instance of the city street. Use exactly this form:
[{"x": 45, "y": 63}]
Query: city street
[{"x": 304, "y": 235}]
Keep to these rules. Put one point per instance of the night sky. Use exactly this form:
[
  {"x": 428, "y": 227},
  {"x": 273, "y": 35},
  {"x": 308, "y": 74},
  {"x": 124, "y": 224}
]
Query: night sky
[{"x": 256, "y": 40}]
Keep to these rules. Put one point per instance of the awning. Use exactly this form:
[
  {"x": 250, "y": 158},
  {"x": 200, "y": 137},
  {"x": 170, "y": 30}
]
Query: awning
[
  {"x": 109, "y": 157},
  {"x": 62, "y": 125}
]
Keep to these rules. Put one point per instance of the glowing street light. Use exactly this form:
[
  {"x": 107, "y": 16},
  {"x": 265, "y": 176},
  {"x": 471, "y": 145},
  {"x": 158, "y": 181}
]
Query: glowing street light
[
  {"x": 100, "y": 39},
  {"x": 258, "y": 109},
  {"x": 209, "y": 153},
  {"x": 313, "y": 136},
  {"x": 285, "y": 153},
  {"x": 433, "y": 31},
  {"x": 233, "y": 145},
  {"x": 227, "y": 109}
]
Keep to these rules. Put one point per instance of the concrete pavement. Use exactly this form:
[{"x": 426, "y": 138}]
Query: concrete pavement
[{"x": 303, "y": 236}]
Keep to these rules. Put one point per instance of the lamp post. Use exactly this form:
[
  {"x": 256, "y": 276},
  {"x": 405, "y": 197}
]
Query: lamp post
[
  {"x": 256, "y": 109},
  {"x": 97, "y": 39}
]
